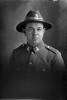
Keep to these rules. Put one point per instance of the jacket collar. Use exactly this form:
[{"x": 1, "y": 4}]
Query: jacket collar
[{"x": 37, "y": 47}]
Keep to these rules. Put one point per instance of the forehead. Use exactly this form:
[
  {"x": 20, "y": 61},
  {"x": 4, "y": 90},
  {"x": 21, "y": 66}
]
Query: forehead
[{"x": 34, "y": 24}]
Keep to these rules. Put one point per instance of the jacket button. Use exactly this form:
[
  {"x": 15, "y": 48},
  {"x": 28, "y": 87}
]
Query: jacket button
[
  {"x": 30, "y": 63},
  {"x": 32, "y": 53},
  {"x": 43, "y": 70}
]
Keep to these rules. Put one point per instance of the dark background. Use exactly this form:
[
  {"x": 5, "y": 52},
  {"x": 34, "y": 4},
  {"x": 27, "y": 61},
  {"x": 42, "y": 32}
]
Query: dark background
[{"x": 14, "y": 11}]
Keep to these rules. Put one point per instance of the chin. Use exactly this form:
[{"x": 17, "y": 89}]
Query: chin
[{"x": 36, "y": 42}]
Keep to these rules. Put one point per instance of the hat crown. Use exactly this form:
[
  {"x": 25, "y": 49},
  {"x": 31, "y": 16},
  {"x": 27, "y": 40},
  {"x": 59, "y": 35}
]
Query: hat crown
[{"x": 34, "y": 15}]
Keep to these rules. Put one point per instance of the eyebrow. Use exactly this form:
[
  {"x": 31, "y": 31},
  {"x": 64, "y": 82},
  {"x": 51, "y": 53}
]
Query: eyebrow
[
  {"x": 32, "y": 27},
  {"x": 39, "y": 27}
]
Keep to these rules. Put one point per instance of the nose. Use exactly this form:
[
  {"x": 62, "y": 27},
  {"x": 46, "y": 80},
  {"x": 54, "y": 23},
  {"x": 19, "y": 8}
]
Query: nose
[{"x": 34, "y": 32}]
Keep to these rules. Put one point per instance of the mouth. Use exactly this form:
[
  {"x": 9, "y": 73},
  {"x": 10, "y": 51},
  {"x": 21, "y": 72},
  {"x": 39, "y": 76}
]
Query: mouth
[{"x": 35, "y": 37}]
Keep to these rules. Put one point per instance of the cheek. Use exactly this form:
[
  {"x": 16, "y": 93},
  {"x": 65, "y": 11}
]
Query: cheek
[
  {"x": 41, "y": 35},
  {"x": 29, "y": 36}
]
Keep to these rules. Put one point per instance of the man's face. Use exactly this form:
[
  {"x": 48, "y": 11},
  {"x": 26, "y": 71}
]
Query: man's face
[{"x": 34, "y": 33}]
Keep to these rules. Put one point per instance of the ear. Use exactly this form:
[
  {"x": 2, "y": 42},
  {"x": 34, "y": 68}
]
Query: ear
[
  {"x": 24, "y": 31},
  {"x": 44, "y": 30}
]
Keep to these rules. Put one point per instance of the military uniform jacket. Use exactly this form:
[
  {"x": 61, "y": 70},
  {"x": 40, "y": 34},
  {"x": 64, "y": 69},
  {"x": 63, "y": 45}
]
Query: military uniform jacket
[{"x": 40, "y": 58}]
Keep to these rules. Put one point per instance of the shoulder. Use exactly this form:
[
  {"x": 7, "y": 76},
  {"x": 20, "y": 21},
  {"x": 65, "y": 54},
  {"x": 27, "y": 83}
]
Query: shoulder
[
  {"x": 56, "y": 58},
  {"x": 19, "y": 49},
  {"x": 52, "y": 50},
  {"x": 22, "y": 46}
]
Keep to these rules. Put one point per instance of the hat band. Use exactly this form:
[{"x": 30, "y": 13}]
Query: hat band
[{"x": 34, "y": 18}]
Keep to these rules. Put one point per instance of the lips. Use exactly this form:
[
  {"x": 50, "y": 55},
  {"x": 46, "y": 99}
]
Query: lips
[{"x": 35, "y": 37}]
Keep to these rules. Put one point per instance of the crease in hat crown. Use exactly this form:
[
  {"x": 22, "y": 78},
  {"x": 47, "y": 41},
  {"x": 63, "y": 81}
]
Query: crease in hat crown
[
  {"x": 35, "y": 15},
  {"x": 32, "y": 16}
]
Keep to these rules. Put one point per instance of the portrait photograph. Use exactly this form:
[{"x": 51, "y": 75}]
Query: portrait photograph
[{"x": 33, "y": 49}]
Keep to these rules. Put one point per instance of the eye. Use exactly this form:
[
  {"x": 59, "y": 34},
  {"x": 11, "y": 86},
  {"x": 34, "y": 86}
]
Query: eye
[
  {"x": 39, "y": 29},
  {"x": 29, "y": 29}
]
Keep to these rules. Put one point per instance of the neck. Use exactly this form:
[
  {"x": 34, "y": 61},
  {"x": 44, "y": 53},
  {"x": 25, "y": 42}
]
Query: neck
[{"x": 34, "y": 45}]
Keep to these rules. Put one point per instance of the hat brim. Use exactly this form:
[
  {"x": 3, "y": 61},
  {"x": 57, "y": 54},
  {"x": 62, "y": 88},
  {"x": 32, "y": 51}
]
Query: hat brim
[{"x": 21, "y": 26}]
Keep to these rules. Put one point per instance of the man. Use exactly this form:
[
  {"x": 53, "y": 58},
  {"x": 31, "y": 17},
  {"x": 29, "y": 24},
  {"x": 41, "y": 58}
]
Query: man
[
  {"x": 35, "y": 55},
  {"x": 32, "y": 60}
]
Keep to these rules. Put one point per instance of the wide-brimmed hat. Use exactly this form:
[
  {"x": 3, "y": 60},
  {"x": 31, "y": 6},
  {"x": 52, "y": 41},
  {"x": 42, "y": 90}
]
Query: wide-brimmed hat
[{"x": 33, "y": 16}]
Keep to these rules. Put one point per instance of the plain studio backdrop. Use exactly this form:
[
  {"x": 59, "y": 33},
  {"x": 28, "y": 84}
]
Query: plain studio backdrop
[{"x": 13, "y": 11}]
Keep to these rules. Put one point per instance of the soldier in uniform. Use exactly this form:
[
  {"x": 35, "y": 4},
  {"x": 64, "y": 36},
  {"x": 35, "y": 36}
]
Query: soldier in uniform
[
  {"x": 32, "y": 60},
  {"x": 35, "y": 55}
]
